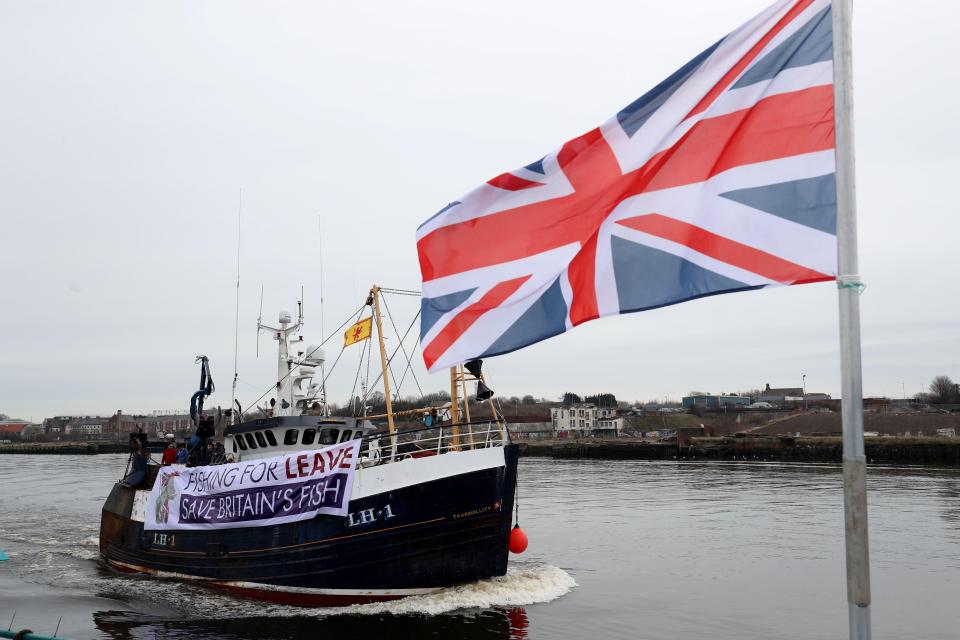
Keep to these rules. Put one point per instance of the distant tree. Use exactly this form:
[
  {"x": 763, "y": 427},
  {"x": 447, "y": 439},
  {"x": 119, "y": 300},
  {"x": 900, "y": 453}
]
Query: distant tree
[
  {"x": 435, "y": 398},
  {"x": 943, "y": 390},
  {"x": 571, "y": 398},
  {"x": 921, "y": 398},
  {"x": 528, "y": 399},
  {"x": 602, "y": 400},
  {"x": 514, "y": 399},
  {"x": 4, "y": 416}
]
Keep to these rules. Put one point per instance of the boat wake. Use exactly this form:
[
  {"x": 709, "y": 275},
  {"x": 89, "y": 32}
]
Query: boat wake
[
  {"x": 524, "y": 584},
  {"x": 42, "y": 558}
]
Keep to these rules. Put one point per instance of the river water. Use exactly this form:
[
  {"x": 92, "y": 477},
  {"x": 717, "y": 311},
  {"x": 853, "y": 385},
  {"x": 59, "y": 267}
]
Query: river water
[{"x": 618, "y": 549}]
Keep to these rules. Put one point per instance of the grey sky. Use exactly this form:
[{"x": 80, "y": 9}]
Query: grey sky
[{"x": 127, "y": 129}]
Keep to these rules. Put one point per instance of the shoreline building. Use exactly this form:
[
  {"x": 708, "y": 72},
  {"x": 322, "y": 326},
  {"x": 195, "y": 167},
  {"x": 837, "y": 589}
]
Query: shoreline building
[
  {"x": 585, "y": 420},
  {"x": 781, "y": 396},
  {"x": 716, "y": 403},
  {"x": 117, "y": 427},
  {"x": 791, "y": 396},
  {"x": 75, "y": 427},
  {"x": 156, "y": 425},
  {"x": 12, "y": 429}
]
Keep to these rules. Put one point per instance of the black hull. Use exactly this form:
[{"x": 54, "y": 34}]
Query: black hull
[{"x": 434, "y": 534}]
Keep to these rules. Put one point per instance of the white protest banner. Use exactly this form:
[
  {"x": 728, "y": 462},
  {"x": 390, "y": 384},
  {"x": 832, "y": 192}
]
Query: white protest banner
[{"x": 254, "y": 493}]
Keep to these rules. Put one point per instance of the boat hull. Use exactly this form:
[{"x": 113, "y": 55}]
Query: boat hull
[{"x": 408, "y": 540}]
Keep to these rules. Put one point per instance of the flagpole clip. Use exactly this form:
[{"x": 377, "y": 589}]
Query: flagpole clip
[{"x": 851, "y": 282}]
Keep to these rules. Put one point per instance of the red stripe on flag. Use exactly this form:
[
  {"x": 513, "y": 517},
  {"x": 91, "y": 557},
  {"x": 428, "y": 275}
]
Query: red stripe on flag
[
  {"x": 511, "y": 182},
  {"x": 465, "y": 319},
  {"x": 582, "y": 276},
  {"x": 724, "y": 249},
  {"x": 780, "y": 126},
  {"x": 754, "y": 51}
]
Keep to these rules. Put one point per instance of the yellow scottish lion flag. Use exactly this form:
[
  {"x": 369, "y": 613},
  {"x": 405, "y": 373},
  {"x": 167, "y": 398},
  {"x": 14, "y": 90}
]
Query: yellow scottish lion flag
[{"x": 356, "y": 333}]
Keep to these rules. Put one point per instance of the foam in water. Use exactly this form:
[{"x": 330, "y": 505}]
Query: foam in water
[{"x": 524, "y": 584}]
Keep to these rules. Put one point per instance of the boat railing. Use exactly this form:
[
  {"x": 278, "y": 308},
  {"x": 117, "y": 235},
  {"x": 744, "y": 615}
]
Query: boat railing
[{"x": 383, "y": 448}]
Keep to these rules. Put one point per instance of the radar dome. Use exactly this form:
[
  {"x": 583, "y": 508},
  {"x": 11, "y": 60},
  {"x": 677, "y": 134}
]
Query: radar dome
[
  {"x": 285, "y": 316},
  {"x": 314, "y": 355}
]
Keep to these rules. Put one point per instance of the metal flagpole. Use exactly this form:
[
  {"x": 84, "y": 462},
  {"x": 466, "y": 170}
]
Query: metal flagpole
[{"x": 850, "y": 286}]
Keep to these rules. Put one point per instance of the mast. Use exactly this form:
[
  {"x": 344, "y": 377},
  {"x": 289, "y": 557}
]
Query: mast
[
  {"x": 375, "y": 296},
  {"x": 458, "y": 384},
  {"x": 284, "y": 385}
]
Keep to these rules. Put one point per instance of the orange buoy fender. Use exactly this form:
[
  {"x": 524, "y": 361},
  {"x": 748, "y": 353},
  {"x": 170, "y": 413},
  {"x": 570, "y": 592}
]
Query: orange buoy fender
[{"x": 518, "y": 540}]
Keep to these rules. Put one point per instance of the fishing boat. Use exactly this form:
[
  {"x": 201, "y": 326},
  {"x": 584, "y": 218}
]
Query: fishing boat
[{"x": 429, "y": 507}]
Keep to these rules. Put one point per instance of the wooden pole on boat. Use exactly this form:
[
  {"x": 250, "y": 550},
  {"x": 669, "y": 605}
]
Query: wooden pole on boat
[
  {"x": 397, "y": 414},
  {"x": 466, "y": 405},
  {"x": 375, "y": 294},
  {"x": 850, "y": 286},
  {"x": 454, "y": 408}
]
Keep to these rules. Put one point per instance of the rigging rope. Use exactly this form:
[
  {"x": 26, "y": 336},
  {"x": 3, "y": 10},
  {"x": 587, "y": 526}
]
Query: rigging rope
[
  {"x": 408, "y": 367},
  {"x": 356, "y": 378},
  {"x": 366, "y": 382},
  {"x": 402, "y": 292},
  {"x": 390, "y": 359}
]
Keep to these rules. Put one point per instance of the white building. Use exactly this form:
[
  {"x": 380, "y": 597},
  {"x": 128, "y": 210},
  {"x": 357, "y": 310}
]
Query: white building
[
  {"x": 84, "y": 429},
  {"x": 582, "y": 420}
]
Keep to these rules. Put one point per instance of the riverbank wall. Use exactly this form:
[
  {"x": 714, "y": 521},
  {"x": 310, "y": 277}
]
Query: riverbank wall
[
  {"x": 931, "y": 451},
  {"x": 71, "y": 448}
]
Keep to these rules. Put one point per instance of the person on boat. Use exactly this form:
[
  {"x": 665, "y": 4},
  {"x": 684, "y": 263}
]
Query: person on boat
[
  {"x": 207, "y": 454},
  {"x": 219, "y": 455},
  {"x": 182, "y": 453},
  {"x": 170, "y": 453},
  {"x": 194, "y": 453}
]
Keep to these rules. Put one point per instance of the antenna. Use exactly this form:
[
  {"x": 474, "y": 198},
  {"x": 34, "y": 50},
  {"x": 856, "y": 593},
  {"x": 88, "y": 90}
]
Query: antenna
[
  {"x": 259, "y": 319},
  {"x": 323, "y": 333},
  {"x": 320, "y": 232},
  {"x": 236, "y": 319}
]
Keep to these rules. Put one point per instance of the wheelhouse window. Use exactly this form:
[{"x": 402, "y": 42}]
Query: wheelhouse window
[
  {"x": 291, "y": 436},
  {"x": 309, "y": 435},
  {"x": 260, "y": 439},
  {"x": 238, "y": 442},
  {"x": 345, "y": 435},
  {"x": 329, "y": 436},
  {"x": 250, "y": 441},
  {"x": 272, "y": 439}
]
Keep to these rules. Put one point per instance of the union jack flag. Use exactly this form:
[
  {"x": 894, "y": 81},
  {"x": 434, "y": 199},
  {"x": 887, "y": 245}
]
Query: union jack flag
[{"x": 720, "y": 179}]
